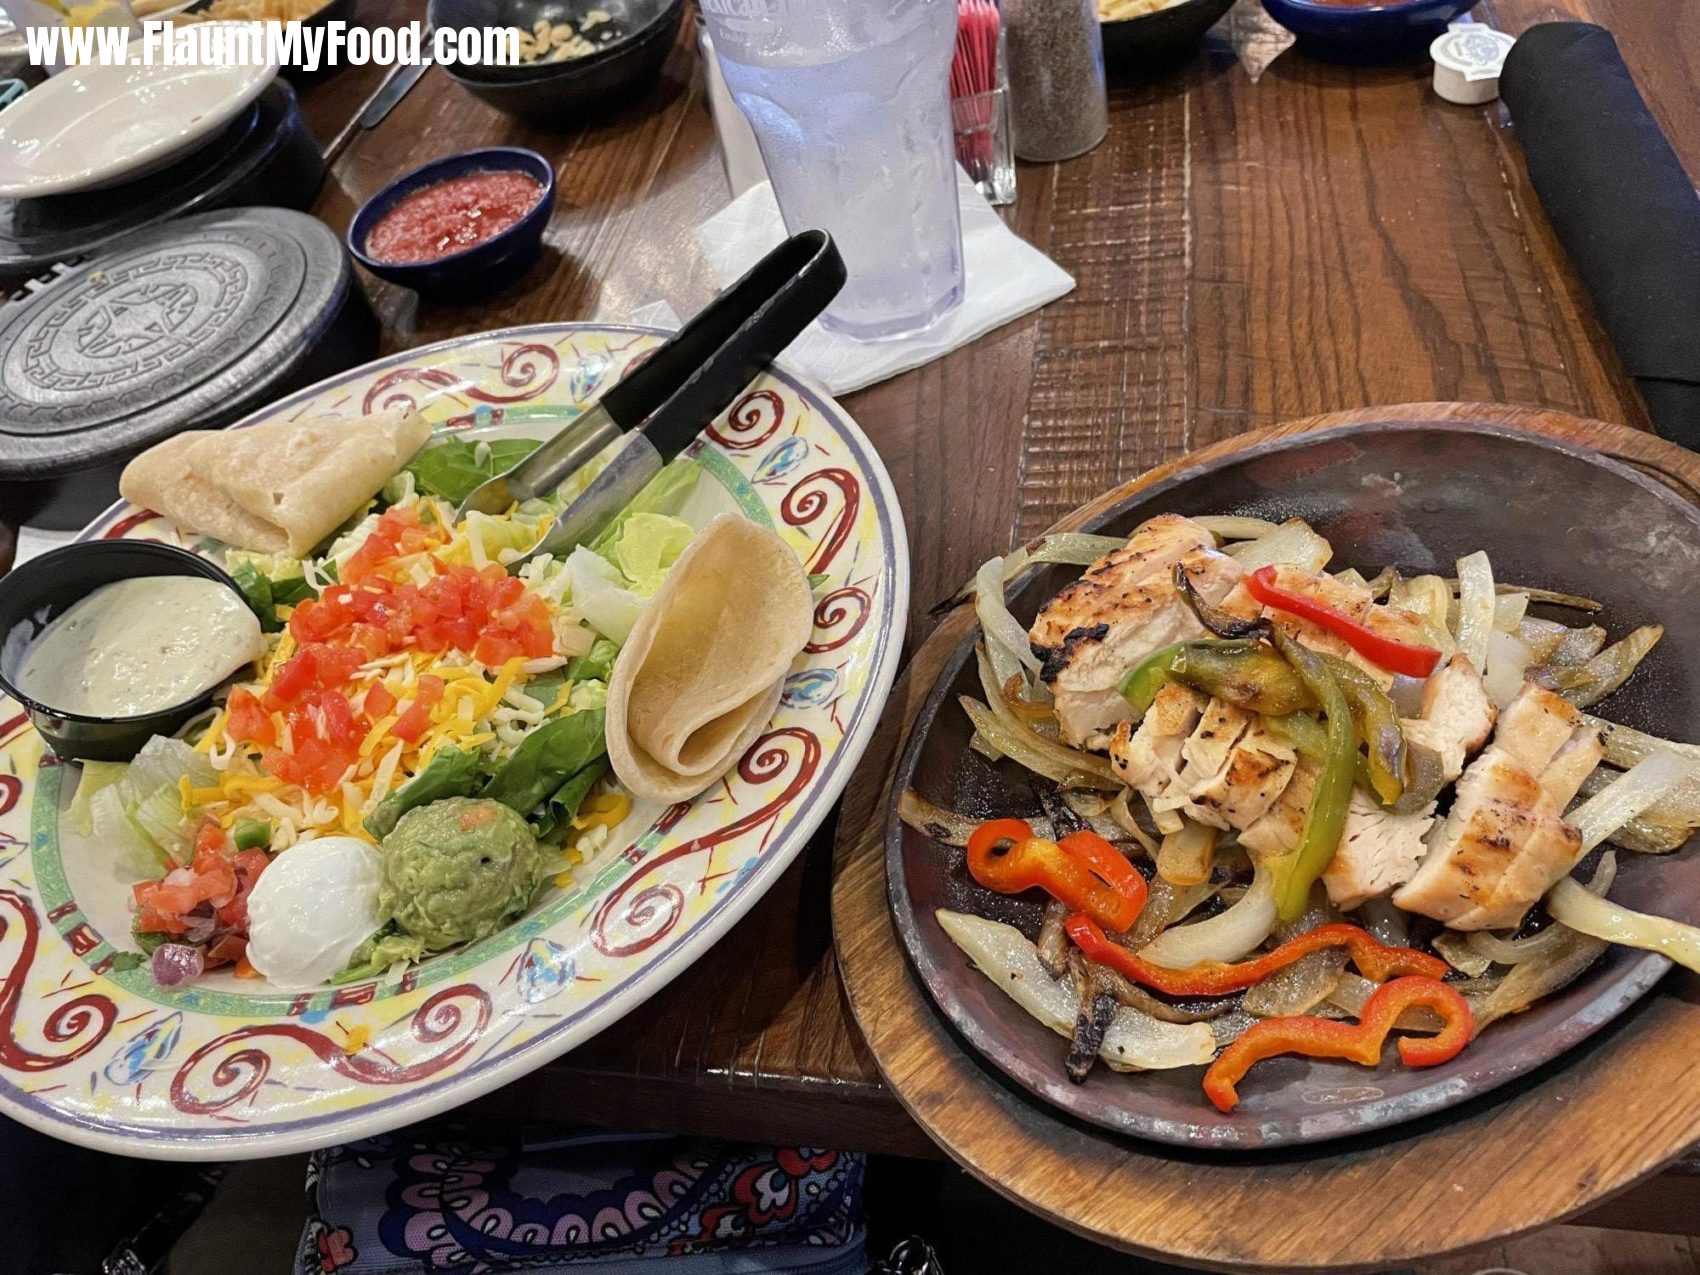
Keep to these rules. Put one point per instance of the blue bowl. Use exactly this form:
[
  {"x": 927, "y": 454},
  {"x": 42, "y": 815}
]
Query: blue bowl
[
  {"x": 483, "y": 268},
  {"x": 1366, "y": 33}
]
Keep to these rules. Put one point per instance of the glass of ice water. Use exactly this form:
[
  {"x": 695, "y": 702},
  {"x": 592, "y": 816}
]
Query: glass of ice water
[{"x": 849, "y": 101}]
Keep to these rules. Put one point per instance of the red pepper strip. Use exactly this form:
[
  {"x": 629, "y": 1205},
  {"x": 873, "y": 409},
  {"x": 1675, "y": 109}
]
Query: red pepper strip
[
  {"x": 1358, "y": 1042},
  {"x": 1375, "y": 960},
  {"x": 1085, "y": 871},
  {"x": 1391, "y": 654}
]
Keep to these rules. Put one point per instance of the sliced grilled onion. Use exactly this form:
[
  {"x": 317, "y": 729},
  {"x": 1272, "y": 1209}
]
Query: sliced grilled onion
[
  {"x": 1226, "y": 936},
  {"x": 1457, "y": 950},
  {"x": 1590, "y": 682},
  {"x": 1600, "y": 918},
  {"x": 1306, "y": 983},
  {"x": 1132, "y": 1040},
  {"x": 1650, "y": 781},
  {"x": 1475, "y": 607},
  {"x": 1002, "y": 629},
  {"x": 1186, "y": 857},
  {"x": 1293, "y": 543},
  {"x": 1164, "y": 906},
  {"x": 1233, "y": 527},
  {"x": 1552, "y": 969}
]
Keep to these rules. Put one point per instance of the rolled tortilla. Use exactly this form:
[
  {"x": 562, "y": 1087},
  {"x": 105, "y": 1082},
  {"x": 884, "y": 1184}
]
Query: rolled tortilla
[
  {"x": 699, "y": 678},
  {"x": 163, "y": 480},
  {"x": 306, "y": 478}
]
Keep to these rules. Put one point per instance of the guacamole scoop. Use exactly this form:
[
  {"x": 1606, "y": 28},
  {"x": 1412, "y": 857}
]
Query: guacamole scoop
[{"x": 458, "y": 870}]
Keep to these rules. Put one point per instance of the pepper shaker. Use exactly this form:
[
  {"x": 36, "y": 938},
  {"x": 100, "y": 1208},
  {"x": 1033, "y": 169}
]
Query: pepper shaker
[{"x": 1056, "y": 77}]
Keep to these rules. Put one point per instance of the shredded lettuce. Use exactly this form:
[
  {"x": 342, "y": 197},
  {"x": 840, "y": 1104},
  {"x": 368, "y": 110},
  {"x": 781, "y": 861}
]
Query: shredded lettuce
[
  {"x": 96, "y": 776},
  {"x": 648, "y": 544},
  {"x": 666, "y": 493},
  {"x": 134, "y": 812},
  {"x": 610, "y": 586}
]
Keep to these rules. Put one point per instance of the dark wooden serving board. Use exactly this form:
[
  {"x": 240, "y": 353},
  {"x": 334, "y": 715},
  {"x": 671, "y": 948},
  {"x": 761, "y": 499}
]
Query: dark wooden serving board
[{"x": 1610, "y": 1112}]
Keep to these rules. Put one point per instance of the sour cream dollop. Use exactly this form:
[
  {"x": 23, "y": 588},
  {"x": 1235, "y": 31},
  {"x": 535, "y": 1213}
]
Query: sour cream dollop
[
  {"x": 140, "y": 646},
  {"x": 311, "y": 908}
]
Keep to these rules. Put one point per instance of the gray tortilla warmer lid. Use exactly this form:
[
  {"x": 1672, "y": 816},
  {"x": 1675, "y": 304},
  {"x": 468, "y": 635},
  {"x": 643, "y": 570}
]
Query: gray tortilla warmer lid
[{"x": 192, "y": 324}]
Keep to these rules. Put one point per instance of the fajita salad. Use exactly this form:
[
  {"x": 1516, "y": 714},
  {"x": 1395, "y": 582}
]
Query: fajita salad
[
  {"x": 422, "y": 745},
  {"x": 1282, "y": 810}
]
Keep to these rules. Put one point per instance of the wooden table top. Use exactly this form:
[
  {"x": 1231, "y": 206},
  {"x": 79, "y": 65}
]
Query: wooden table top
[{"x": 1260, "y": 237}]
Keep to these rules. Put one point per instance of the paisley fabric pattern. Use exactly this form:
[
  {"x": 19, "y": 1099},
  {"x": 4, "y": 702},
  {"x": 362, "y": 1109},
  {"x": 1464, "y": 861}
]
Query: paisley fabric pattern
[{"x": 454, "y": 1199}]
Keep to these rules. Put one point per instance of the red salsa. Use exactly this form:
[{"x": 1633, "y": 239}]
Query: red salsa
[{"x": 451, "y": 216}]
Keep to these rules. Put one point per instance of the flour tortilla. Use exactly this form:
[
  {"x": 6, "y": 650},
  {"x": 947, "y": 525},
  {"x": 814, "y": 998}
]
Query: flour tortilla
[
  {"x": 700, "y": 676},
  {"x": 306, "y": 478},
  {"x": 162, "y": 479}
]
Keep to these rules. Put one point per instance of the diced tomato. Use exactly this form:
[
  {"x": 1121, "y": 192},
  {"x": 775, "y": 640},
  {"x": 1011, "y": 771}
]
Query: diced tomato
[
  {"x": 151, "y": 919},
  {"x": 495, "y": 650},
  {"x": 209, "y": 841},
  {"x": 411, "y": 724},
  {"x": 379, "y": 701},
  {"x": 247, "y": 722},
  {"x": 294, "y": 679}
]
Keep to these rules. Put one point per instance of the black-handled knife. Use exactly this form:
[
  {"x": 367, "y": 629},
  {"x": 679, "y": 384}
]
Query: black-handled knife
[{"x": 663, "y": 404}]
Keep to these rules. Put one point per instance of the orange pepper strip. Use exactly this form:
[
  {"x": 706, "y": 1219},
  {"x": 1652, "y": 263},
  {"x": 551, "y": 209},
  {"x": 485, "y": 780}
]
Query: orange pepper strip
[
  {"x": 1358, "y": 1042},
  {"x": 1083, "y": 871},
  {"x": 1375, "y": 960}
]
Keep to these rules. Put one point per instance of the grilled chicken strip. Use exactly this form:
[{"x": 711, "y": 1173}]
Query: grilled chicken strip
[
  {"x": 1457, "y": 715},
  {"x": 1378, "y": 851},
  {"x": 1122, "y": 609},
  {"x": 1505, "y": 842},
  {"x": 1149, "y": 759},
  {"x": 1257, "y": 772}
]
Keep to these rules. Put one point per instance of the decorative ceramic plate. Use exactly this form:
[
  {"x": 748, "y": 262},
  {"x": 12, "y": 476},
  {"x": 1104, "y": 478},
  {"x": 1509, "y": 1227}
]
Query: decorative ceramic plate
[
  {"x": 90, "y": 127},
  {"x": 226, "y": 1068},
  {"x": 1415, "y": 495}
]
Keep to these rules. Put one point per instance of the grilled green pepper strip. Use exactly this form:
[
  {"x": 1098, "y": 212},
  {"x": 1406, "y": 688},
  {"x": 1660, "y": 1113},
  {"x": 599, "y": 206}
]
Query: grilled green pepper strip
[
  {"x": 1309, "y": 739},
  {"x": 1325, "y": 821},
  {"x": 1140, "y": 687},
  {"x": 1244, "y": 672},
  {"x": 1377, "y": 724}
]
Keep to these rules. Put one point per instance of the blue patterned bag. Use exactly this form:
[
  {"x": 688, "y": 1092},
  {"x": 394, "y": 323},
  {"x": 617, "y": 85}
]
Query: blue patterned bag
[{"x": 464, "y": 1199}]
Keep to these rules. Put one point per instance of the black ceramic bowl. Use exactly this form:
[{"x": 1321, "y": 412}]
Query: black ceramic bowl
[
  {"x": 562, "y": 93},
  {"x": 1160, "y": 38},
  {"x": 1366, "y": 33},
  {"x": 34, "y": 595},
  {"x": 483, "y": 268}
]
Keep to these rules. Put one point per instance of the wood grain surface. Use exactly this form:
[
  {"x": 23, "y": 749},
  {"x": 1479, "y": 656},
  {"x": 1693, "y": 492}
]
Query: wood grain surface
[
  {"x": 1617, "y": 1110},
  {"x": 1254, "y": 241}
]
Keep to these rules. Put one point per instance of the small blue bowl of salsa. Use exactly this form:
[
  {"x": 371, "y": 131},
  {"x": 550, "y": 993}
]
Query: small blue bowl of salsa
[
  {"x": 1364, "y": 33},
  {"x": 461, "y": 227}
]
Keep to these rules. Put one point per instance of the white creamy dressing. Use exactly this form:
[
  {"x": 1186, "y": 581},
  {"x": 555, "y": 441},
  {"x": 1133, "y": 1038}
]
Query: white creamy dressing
[{"x": 139, "y": 646}]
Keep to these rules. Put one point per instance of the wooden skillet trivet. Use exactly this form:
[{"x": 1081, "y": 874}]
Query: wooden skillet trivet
[{"x": 1610, "y": 1114}]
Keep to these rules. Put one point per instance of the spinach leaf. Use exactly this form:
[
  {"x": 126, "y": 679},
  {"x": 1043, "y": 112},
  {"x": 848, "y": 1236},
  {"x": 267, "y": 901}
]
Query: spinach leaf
[
  {"x": 452, "y": 468},
  {"x": 257, "y": 590},
  {"x": 547, "y": 758},
  {"x": 563, "y": 804},
  {"x": 595, "y": 666},
  {"x": 265, "y": 593},
  {"x": 451, "y": 773}
]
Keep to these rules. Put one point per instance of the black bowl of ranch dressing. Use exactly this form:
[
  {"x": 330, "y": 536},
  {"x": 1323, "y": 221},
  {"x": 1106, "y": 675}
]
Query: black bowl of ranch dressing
[{"x": 110, "y": 642}]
